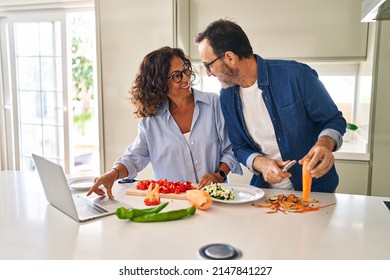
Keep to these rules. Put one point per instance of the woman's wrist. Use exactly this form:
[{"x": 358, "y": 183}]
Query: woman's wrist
[
  {"x": 117, "y": 171},
  {"x": 219, "y": 177}
]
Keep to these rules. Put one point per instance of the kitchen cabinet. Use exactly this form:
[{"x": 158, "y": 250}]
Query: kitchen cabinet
[
  {"x": 299, "y": 29},
  {"x": 353, "y": 176}
]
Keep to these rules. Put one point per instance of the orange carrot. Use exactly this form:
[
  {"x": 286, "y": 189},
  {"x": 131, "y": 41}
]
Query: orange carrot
[{"x": 306, "y": 181}]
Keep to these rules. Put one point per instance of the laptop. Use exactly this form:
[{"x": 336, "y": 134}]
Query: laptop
[{"x": 80, "y": 208}]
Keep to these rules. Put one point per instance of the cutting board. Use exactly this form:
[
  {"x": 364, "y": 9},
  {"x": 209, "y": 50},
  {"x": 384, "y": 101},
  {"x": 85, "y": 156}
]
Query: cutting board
[{"x": 132, "y": 190}]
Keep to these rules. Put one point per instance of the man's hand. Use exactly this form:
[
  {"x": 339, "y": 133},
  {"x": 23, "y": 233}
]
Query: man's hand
[
  {"x": 271, "y": 169},
  {"x": 321, "y": 157}
]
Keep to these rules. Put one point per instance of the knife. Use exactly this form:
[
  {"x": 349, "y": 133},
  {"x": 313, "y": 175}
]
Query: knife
[{"x": 128, "y": 180}]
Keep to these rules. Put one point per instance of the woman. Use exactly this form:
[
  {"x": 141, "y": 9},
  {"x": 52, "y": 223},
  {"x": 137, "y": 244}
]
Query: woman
[{"x": 182, "y": 132}]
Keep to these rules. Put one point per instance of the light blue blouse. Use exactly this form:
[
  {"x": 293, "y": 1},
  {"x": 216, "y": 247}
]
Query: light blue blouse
[{"x": 161, "y": 143}]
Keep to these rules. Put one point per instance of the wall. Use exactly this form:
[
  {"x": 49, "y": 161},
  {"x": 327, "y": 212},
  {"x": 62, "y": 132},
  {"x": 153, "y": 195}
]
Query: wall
[{"x": 128, "y": 31}]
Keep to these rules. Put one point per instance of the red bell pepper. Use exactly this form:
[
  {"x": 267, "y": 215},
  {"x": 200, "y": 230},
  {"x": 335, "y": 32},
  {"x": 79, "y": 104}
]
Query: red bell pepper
[{"x": 152, "y": 195}]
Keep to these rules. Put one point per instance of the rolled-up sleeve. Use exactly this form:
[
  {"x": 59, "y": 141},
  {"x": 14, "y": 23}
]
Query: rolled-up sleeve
[{"x": 335, "y": 135}]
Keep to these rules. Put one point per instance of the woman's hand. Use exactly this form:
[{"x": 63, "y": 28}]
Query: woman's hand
[
  {"x": 209, "y": 178},
  {"x": 107, "y": 180}
]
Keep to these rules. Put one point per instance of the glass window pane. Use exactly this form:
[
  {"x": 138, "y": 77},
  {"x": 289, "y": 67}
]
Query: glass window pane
[
  {"x": 342, "y": 91},
  {"x": 27, "y": 163},
  {"x": 53, "y": 108},
  {"x": 41, "y": 108},
  {"x": 51, "y": 71},
  {"x": 44, "y": 140},
  {"x": 29, "y": 73},
  {"x": 30, "y": 107},
  {"x": 363, "y": 102},
  {"x": 53, "y": 138},
  {"x": 85, "y": 118},
  {"x": 27, "y": 34},
  {"x": 31, "y": 139},
  {"x": 46, "y": 38}
]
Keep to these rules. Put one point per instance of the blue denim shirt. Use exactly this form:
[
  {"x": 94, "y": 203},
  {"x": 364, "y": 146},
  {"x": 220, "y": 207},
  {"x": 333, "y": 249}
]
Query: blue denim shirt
[
  {"x": 161, "y": 143},
  {"x": 301, "y": 110}
]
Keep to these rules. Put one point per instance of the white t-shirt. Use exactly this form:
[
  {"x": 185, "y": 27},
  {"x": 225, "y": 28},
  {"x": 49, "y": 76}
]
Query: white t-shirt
[
  {"x": 259, "y": 126},
  {"x": 187, "y": 137}
]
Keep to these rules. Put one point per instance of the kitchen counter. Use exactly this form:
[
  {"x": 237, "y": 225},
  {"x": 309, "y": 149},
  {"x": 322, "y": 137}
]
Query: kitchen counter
[
  {"x": 353, "y": 149},
  {"x": 356, "y": 228}
]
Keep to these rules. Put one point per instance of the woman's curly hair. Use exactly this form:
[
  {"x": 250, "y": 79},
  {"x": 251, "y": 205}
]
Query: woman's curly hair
[{"x": 150, "y": 87}]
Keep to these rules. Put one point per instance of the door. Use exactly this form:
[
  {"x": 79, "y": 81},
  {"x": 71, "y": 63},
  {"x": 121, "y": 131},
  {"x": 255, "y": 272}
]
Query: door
[{"x": 40, "y": 103}]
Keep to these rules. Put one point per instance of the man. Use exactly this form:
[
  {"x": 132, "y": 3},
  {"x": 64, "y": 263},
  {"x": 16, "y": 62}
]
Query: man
[{"x": 275, "y": 111}]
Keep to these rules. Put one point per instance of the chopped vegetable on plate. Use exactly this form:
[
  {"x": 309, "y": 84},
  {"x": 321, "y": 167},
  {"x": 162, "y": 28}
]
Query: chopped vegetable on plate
[{"x": 217, "y": 191}]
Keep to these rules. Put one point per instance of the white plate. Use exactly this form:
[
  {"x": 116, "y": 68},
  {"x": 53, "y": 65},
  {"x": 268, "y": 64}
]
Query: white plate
[
  {"x": 81, "y": 183},
  {"x": 243, "y": 193}
]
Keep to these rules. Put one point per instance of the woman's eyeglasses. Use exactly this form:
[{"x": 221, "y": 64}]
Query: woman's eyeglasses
[
  {"x": 177, "y": 76},
  {"x": 207, "y": 65}
]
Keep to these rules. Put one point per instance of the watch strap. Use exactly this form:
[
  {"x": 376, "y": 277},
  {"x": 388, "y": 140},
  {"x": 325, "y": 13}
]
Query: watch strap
[{"x": 221, "y": 173}]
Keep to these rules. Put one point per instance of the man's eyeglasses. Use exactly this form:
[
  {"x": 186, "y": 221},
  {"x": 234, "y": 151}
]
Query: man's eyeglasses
[
  {"x": 207, "y": 65},
  {"x": 177, "y": 76}
]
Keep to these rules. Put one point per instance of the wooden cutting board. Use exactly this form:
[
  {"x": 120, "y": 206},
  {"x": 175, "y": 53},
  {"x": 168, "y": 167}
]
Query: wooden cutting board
[{"x": 132, "y": 190}]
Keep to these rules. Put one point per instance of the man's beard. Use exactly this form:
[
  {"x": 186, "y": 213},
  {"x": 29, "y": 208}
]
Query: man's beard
[{"x": 230, "y": 76}]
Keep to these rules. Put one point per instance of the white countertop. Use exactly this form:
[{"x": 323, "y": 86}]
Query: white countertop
[
  {"x": 354, "y": 149},
  {"x": 357, "y": 227}
]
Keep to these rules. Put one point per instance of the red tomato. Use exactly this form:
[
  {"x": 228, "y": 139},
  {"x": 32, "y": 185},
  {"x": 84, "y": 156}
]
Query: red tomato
[{"x": 166, "y": 186}]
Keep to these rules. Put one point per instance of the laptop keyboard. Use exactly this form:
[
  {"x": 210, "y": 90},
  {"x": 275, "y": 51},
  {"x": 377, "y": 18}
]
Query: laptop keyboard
[{"x": 87, "y": 208}]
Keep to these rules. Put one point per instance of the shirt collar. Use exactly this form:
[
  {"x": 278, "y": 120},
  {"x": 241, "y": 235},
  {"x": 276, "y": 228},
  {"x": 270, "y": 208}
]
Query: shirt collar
[
  {"x": 262, "y": 71},
  {"x": 198, "y": 97}
]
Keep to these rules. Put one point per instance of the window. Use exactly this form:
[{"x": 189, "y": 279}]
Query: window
[
  {"x": 341, "y": 82},
  {"x": 39, "y": 90},
  {"x": 50, "y": 91}
]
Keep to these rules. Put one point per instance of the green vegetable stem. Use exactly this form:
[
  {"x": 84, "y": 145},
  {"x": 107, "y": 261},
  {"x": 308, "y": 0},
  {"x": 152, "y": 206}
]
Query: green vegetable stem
[
  {"x": 166, "y": 216},
  {"x": 123, "y": 213}
]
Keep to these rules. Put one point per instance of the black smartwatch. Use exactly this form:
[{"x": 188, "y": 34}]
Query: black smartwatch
[{"x": 222, "y": 174}]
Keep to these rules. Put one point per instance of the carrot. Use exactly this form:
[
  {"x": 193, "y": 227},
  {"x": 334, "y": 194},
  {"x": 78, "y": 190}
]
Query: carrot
[{"x": 306, "y": 181}]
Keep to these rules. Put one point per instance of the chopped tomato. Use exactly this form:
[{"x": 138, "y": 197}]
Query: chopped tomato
[{"x": 166, "y": 186}]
